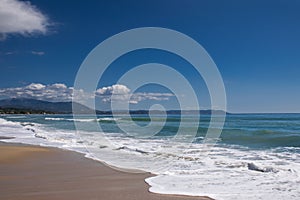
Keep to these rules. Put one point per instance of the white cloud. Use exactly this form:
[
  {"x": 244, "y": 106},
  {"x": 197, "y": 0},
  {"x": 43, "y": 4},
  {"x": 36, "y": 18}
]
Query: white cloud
[
  {"x": 152, "y": 96},
  {"x": 35, "y": 86},
  {"x": 60, "y": 92},
  {"x": 38, "y": 53},
  {"x": 54, "y": 92},
  {"x": 60, "y": 86},
  {"x": 121, "y": 93},
  {"x": 114, "y": 89},
  {"x": 21, "y": 17}
]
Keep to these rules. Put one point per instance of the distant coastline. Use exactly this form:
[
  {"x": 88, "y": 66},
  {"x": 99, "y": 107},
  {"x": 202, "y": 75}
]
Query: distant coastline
[
  {"x": 23, "y": 111},
  {"x": 33, "y": 106}
]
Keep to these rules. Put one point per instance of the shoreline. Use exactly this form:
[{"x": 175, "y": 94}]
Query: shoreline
[{"x": 35, "y": 172}]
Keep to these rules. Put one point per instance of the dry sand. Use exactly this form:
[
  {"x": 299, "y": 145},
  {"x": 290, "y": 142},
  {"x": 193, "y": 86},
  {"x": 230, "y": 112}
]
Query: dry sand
[{"x": 31, "y": 172}]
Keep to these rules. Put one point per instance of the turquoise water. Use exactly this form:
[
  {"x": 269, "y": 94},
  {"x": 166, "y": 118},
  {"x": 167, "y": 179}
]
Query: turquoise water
[
  {"x": 249, "y": 130},
  {"x": 262, "y": 130}
]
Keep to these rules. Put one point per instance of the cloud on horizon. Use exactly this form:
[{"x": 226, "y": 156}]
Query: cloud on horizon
[
  {"x": 121, "y": 93},
  {"x": 55, "y": 92},
  {"x": 21, "y": 17},
  {"x": 60, "y": 92}
]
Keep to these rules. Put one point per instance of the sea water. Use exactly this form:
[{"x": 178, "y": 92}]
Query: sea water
[{"x": 256, "y": 157}]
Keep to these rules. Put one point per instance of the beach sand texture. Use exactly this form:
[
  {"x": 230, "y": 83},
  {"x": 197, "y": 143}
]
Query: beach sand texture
[{"x": 32, "y": 172}]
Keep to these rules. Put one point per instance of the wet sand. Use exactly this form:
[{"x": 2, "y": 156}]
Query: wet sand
[{"x": 32, "y": 172}]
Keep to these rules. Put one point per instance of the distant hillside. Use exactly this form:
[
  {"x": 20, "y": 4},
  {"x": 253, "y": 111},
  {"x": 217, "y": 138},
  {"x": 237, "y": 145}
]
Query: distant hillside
[
  {"x": 23, "y": 111},
  {"x": 22, "y": 105},
  {"x": 39, "y": 105},
  {"x": 173, "y": 112}
]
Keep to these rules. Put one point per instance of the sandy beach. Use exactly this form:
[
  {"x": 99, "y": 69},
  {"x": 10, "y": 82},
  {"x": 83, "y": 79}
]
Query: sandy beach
[{"x": 33, "y": 172}]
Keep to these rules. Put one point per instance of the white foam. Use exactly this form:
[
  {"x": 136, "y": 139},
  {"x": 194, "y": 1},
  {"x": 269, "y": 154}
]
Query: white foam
[
  {"x": 68, "y": 119},
  {"x": 108, "y": 119},
  {"x": 82, "y": 119},
  {"x": 226, "y": 177},
  {"x": 16, "y": 117},
  {"x": 54, "y": 118}
]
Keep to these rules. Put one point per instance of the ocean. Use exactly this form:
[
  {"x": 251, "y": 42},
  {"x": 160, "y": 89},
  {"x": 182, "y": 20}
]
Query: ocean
[{"x": 256, "y": 157}]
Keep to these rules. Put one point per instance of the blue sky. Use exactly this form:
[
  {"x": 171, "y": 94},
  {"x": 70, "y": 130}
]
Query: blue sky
[{"x": 255, "y": 44}]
